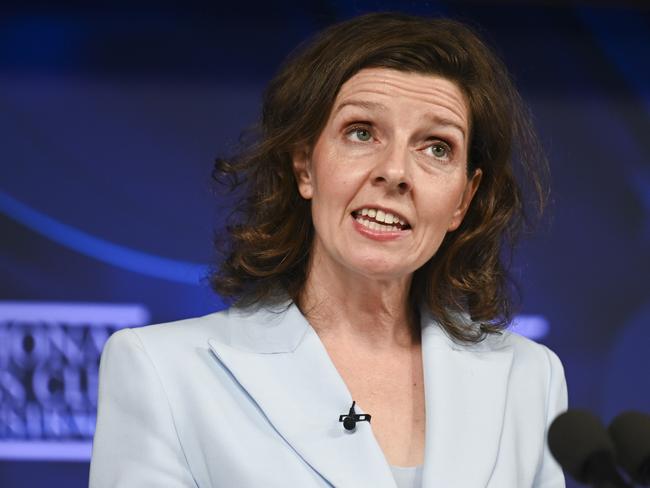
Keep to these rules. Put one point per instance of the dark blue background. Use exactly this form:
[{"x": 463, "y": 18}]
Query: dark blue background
[{"x": 110, "y": 118}]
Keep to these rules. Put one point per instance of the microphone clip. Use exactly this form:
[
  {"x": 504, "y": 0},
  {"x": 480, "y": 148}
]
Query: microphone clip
[{"x": 350, "y": 420}]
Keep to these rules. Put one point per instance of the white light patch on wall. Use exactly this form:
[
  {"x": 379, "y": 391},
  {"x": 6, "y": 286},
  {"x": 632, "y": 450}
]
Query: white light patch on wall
[
  {"x": 73, "y": 313},
  {"x": 49, "y": 365},
  {"x": 45, "y": 451},
  {"x": 534, "y": 327}
]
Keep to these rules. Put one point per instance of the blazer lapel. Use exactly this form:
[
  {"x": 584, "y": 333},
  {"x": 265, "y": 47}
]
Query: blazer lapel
[
  {"x": 465, "y": 395},
  {"x": 280, "y": 361},
  {"x": 282, "y": 364}
]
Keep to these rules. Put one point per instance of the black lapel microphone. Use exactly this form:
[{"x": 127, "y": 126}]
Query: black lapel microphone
[{"x": 350, "y": 420}]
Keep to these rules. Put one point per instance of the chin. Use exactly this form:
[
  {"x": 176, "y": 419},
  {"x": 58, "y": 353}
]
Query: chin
[{"x": 383, "y": 271}]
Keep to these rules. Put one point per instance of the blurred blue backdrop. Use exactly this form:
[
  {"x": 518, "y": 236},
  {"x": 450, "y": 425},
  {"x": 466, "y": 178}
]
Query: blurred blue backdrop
[{"x": 110, "y": 118}]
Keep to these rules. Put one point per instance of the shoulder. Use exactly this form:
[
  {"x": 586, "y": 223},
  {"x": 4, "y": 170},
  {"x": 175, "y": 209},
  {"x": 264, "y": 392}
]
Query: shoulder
[
  {"x": 532, "y": 366},
  {"x": 160, "y": 356},
  {"x": 166, "y": 339},
  {"x": 181, "y": 332},
  {"x": 526, "y": 354},
  {"x": 536, "y": 375},
  {"x": 529, "y": 358},
  {"x": 248, "y": 329},
  {"x": 527, "y": 351}
]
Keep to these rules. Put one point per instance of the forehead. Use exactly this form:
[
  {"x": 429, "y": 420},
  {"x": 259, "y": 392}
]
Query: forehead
[{"x": 426, "y": 91}]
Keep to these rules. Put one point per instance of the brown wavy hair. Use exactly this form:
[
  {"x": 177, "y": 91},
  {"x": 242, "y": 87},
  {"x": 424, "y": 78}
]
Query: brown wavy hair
[{"x": 265, "y": 253}]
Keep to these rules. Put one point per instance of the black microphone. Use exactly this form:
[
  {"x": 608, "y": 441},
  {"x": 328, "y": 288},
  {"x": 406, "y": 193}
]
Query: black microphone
[
  {"x": 350, "y": 420},
  {"x": 630, "y": 432},
  {"x": 579, "y": 442}
]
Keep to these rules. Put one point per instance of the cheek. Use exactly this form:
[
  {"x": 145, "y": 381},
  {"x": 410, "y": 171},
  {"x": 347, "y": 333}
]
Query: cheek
[
  {"x": 335, "y": 186},
  {"x": 327, "y": 201},
  {"x": 439, "y": 209},
  {"x": 329, "y": 205},
  {"x": 433, "y": 236}
]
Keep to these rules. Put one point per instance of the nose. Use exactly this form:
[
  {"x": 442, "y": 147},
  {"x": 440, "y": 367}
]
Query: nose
[{"x": 393, "y": 170}]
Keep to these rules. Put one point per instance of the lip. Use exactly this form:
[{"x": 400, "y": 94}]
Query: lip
[
  {"x": 385, "y": 210},
  {"x": 378, "y": 235}
]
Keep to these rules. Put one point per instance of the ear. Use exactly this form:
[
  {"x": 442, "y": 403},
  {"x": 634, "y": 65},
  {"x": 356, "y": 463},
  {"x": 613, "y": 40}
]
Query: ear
[
  {"x": 302, "y": 171},
  {"x": 468, "y": 194}
]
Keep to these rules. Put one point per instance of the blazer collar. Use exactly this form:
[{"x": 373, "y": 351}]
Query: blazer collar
[{"x": 278, "y": 358}]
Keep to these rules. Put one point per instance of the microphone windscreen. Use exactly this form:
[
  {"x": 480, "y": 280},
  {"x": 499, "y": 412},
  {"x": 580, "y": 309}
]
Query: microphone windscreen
[
  {"x": 574, "y": 437},
  {"x": 630, "y": 432}
]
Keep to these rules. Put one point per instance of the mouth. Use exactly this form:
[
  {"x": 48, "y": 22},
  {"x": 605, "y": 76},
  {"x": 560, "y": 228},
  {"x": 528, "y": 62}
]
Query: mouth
[{"x": 379, "y": 219}]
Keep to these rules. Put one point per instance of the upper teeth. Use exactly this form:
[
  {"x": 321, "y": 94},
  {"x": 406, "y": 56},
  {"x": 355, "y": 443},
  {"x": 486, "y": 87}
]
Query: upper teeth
[{"x": 381, "y": 216}]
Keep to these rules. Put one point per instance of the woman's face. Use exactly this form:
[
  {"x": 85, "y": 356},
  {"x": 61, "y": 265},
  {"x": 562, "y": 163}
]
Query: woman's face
[{"x": 387, "y": 177}]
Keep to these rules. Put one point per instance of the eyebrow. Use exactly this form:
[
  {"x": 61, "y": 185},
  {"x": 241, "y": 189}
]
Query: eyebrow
[
  {"x": 445, "y": 122},
  {"x": 376, "y": 106}
]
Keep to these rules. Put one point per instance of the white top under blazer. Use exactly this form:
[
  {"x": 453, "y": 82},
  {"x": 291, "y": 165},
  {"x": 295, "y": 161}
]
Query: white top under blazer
[
  {"x": 252, "y": 399},
  {"x": 407, "y": 476}
]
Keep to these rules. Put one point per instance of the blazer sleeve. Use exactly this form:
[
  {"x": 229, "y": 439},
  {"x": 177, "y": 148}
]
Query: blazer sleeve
[
  {"x": 135, "y": 442},
  {"x": 550, "y": 473}
]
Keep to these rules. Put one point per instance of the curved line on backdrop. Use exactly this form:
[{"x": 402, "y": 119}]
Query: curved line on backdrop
[{"x": 100, "y": 249}]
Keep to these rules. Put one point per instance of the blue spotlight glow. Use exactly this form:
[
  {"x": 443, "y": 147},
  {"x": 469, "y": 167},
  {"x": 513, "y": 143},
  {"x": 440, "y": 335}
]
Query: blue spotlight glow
[{"x": 532, "y": 326}]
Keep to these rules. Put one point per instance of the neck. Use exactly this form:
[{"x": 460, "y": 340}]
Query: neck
[{"x": 369, "y": 312}]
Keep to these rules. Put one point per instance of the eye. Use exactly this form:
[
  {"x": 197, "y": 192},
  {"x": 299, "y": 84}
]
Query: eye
[
  {"x": 359, "y": 133},
  {"x": 440, "y": 150}
]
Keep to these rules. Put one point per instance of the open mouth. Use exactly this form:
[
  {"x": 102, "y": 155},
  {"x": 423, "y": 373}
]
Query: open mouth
[{"x": 380, "y": 220}]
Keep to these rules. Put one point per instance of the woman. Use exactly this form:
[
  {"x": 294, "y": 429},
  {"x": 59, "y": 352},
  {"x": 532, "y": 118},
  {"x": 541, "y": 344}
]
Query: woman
[{"x": 364, "y": 266}]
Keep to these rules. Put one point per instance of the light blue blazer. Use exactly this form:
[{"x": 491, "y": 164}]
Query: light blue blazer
[{"x": 252, "y": 399}]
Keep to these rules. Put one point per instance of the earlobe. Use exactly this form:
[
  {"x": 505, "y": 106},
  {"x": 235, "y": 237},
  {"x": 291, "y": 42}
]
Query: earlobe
[
  {"x": 302, "y": 172},
  {"x": 468, "y": 195}
]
